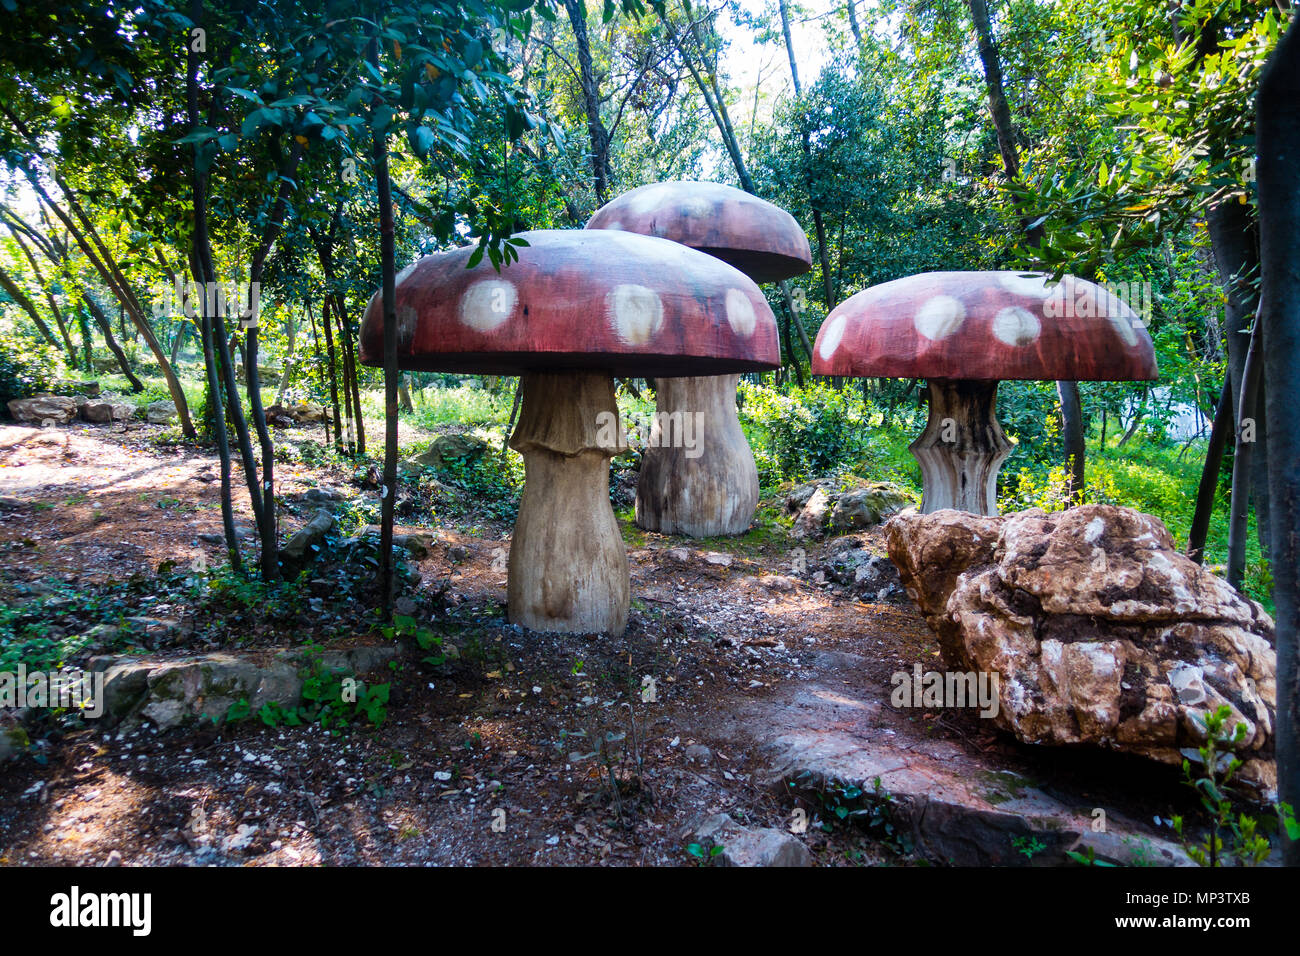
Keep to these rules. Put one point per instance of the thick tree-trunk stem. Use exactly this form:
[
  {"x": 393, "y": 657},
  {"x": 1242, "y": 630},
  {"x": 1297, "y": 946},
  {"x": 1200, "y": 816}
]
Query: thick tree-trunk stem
[
  {"x": 698, "y": 476},
  {"x": 961, "y": 448},
  {"x": 1209, "y": 486},
  {"x": 1277, "y": 138},
  {"x": 1072, "y": 436},
  {"x": 1243, "y": 457},
  {"x": 568, "y": 567},
  {"x": 387, "y": 246}
]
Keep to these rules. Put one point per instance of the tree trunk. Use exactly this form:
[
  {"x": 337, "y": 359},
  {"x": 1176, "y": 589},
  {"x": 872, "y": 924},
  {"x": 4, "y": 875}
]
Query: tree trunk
[
  {"x": 596, "y": 129},
  {"x": 853, "y": 23},
  {"x": 19, "y": 296},
  {"x": 1071, "y": 425},
  {"x": 290, "y": 359},
  {"x": 49, "y": 299},
  {"x": 109, "y": 271},
  {"x": 568, "y": 567},
  {"x": 819, "y": 225},
  {"x": 962, "y": 447},
  {"x": 1072, "y": 434},
  {"x": 350, "y": 374},
  {"x": 106, "y": 329},
  {"x": 722, "y": 120},
  {"x": 217, "y": 346},
  {"x": 333, "y": 366},
  {"x": 1278, "y": 143},
  {"x": 1247, "y": 427},
  {"x": 388, "y": 492},
  {"x": 698, "y": 476},
  {"x": 1234, "y": 238},
  {"x": 1208, "y": 489}
]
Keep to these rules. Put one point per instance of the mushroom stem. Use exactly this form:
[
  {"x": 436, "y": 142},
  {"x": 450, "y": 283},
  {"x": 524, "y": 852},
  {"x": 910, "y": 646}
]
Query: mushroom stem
[
  {"x": 568, "y": 568},
  {"x": 698, "y": 476},
  {"x": 961, "y": 448}
]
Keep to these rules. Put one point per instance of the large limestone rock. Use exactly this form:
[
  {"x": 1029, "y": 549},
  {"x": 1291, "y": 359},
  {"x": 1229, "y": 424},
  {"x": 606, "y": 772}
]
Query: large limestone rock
[
  {"x": 43, "y": 408},
  {"x": 1102, "y": 633}
]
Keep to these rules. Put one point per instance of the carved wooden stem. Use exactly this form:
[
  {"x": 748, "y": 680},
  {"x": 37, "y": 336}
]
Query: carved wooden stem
[
  {"x": 704, "y": 482},
  {"x": 961, "y": 448},
  {"x": 568, "y": 568}
]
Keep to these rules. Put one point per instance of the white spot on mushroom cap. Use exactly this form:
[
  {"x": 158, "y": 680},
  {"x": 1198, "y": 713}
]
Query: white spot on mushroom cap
[
  {"x": 1124, "y": 326},
  {"x": 831, "y": 334},
  {"x": 487, "y": 304},
  {"x": 1035, "y": 285},
  {"x": 1016, "y": 326},
  {"x": 614, "y": 226},
  {"x": 635, "y": 312},
  {"x": 740, "y": 313},
  {"x": 939, "y": 317}
]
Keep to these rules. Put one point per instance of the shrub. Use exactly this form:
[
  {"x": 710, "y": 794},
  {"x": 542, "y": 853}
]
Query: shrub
[
  {"x": 809, "y": 431},
  {"x": 27, "y": 366}
]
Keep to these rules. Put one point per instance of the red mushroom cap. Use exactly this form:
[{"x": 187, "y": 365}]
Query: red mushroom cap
[
  {"x": 629, "y": 304},
  {"x": 985, "y": 325},
  {"x": 760, "y": 239}
]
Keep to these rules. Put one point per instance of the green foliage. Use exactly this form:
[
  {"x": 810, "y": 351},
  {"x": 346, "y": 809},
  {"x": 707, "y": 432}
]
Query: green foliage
[
  {"x": 28, "y": 366},
  {"x": 331, "y": 697},
  {"x": 60, "y": 624},
  {"x": 807, "y": 432},
  {"x": 405, "y": 626},
  {"x": 1218, "y": 766},
  {"x": 876, "y": 810},
  {"x": 494, "y": 482},
  {"x": 1087, "y": 857},
  {"x": 226, "y": 591},
  {"x": 704, "y": 854},
  {"x": 1028, "y": 846},
  {"x": 459, "y": 404}
]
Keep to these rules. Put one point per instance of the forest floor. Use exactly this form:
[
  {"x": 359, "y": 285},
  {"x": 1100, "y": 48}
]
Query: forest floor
[{"x": 553, "y": 730}]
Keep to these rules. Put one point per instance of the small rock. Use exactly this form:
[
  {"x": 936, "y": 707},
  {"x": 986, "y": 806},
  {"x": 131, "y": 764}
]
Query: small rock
[
  {"x": 306, "y": 543},
  {"x": 323, "y": 495},
  {"x": 742, "y": 846},
  {"x": 698, "y": 753},
  {"x": 448, "y": 450},
  {"x": 105, "y": 411},
  {"x": 161, "y": 412}
]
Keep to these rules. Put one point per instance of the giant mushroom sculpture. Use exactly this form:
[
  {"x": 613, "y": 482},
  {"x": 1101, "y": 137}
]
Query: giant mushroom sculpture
[
  {"x": 710, "y": 490},
  {"x": 963, "y": 332},
  {"x": 577, "y": 308}
]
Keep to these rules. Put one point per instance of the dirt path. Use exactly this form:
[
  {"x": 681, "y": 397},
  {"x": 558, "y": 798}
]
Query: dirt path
[{"x": 526, "y": 749}]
